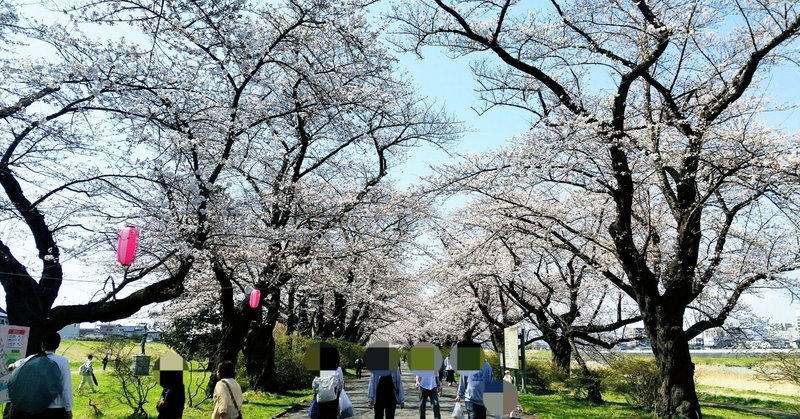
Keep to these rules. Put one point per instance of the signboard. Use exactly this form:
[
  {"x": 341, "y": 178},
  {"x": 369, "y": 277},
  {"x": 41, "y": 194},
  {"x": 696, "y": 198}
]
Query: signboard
[
  {"x": 13, "y": 344},
  {"x": 511, "y": 347}
]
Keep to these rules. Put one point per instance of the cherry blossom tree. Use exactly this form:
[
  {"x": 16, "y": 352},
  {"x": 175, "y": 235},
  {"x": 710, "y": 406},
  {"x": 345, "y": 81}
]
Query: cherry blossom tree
[
  {"x": 696, "y": 198},
  {"x": 57, "y": 196},
  {"x": 282, "y": 120},
  {"x": 516, "y": 277}
]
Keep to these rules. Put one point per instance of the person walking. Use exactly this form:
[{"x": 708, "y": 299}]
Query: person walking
[
  {"x": 384, "y": 393},
  {"x": 228, "y": 397},
  {"x": 173, "y": 395},
  {"x": 105, "y": 362},
  {"x": 441, "y": 373},
  {"x": 429, "y": 386},
  {"x": 326, "y": 393},
  {"x": 471, "y": 388},
  {"x": 448, "y": 367},
  {"x": 340, "y": 374},
  {"x": 86, "y": 371},
  {"x": 60, "y": 407},
  {"x": 359, "y": 366},
  {"x": 509, "y": 378}
]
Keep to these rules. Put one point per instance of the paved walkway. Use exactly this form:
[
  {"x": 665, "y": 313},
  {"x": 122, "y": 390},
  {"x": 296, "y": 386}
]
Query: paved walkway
[{"x": 357, "y": 391}]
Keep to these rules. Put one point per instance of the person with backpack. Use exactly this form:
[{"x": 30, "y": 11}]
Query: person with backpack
[
  {"x": 228, "y": 397},
  {"x": 86, "y": 371},
  {"x": 471, "y": 388},
  {"x": 41, "y": 385},
  {"x": 326, "y": 393},
  {"x": 385, "y": 392}
]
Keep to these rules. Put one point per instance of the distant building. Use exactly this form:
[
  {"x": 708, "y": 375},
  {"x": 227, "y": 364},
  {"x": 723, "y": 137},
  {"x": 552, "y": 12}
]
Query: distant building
[
  {"x": 716, "y": 338},
  {"x": 797, "y": 324},
  {"x": 70, "y": 332},
  {"x": 639, "y": 336},
  {"x": 104, "y": 330},
  {"x": 3, "y": 316}
]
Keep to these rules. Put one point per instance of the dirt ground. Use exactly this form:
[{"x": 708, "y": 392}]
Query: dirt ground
[{"x": 741, "y": 378}]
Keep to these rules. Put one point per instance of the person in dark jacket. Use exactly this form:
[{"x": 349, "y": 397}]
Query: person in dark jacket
[
  {"x": 385, "y": 393},
  {"x": 170, "y": 405},
  {"x": 359, "y": 367}
]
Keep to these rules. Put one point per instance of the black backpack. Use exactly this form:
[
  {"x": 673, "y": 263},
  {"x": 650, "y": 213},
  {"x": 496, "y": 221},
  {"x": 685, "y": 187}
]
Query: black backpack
[{"x": 35, "y": 384}]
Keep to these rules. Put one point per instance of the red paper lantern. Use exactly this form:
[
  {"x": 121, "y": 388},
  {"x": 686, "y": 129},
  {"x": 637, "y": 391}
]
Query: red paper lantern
[
  {"x": 126, "y": 245},
  {"x": 255, "y": 298}
]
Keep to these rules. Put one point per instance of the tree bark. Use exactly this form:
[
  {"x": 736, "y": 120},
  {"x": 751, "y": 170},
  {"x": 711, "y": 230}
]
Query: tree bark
[
  {"x": 259, "y": 346},
  {"x": 677, "y": 394},
  {"x": 561, "y": 352}
]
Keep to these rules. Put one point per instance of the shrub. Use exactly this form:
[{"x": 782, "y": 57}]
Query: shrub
[
  {"x": 290, "y": 373},
  {"x": 348, "y": 351},
  {"x": 539, "y": 375},
  {"x": 637, "y": 379}
]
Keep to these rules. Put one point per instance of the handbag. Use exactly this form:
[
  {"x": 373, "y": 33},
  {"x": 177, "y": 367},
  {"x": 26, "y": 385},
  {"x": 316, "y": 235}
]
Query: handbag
[
  {"x": 458, "y": 412},
  {"x": 238, "y": 409},
  {"x": 345, "y": 406}
]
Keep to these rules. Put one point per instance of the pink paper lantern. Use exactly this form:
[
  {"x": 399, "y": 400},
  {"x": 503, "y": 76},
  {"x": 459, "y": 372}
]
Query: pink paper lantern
[
  {"x": 126, "y": 245},
  {"x": 255, "y": 298}
]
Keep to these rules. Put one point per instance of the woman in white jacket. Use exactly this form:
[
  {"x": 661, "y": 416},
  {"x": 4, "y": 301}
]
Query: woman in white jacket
[{"x": 228, "y": 397}]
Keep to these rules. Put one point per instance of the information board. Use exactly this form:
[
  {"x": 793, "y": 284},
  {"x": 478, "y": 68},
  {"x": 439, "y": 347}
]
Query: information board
[
  {"x": 510, "y": 347},
  {"x": 13, "y": 345}
]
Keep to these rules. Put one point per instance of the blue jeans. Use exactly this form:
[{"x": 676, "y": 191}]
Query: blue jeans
[
  {"x": 424, "y": 394},
  {"x": 475, "y": 411}
]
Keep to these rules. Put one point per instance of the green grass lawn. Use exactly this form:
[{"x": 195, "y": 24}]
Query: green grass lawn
[
  {"x": 561, "y": 406},
  {"x": 748, "y": 398},
  {"x": 108, "y": 401},
  {"x": 256, "y": 404}
]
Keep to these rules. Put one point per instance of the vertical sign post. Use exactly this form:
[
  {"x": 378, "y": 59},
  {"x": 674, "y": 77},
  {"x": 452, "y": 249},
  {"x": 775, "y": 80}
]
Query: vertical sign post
[
  {"x": 511, "y": 348},
  {"x": 522, "y": 356}
]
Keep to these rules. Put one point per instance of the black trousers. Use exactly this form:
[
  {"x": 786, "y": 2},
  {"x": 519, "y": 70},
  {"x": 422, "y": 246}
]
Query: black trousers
[
  {"x": 385, "y": 410},
  {"x": 329, "y": 410},
  {"x": 59, "y": 413}
]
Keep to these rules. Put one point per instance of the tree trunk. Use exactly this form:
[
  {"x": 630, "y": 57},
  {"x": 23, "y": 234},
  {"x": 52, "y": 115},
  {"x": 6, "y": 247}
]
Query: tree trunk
[
  {"x": 561, "y": 353},
  {"x": 233, "y": 332},
  {"x": 23, "y": 303},
  {"x": 677, "y": 394},
  {"x": 291, "y": 316},
  {"x": 259, "y": 347},
  {"x": 589, "y": 380}
]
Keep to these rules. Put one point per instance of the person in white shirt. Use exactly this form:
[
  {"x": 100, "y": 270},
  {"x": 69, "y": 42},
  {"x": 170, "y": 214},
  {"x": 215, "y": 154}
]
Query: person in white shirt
[
  {"x": 87, "y": 374},
  {"x": 61, "y": 406},
  {"x": 509, "y": 378},
  {"x": 429, "y": 386},
  {"x": 449, "y": 370}
]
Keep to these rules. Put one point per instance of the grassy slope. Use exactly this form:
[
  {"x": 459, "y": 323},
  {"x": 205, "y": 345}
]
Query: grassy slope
[
  {"x": 558, "y": 406},
  {"x": 257, "y": 405}
]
